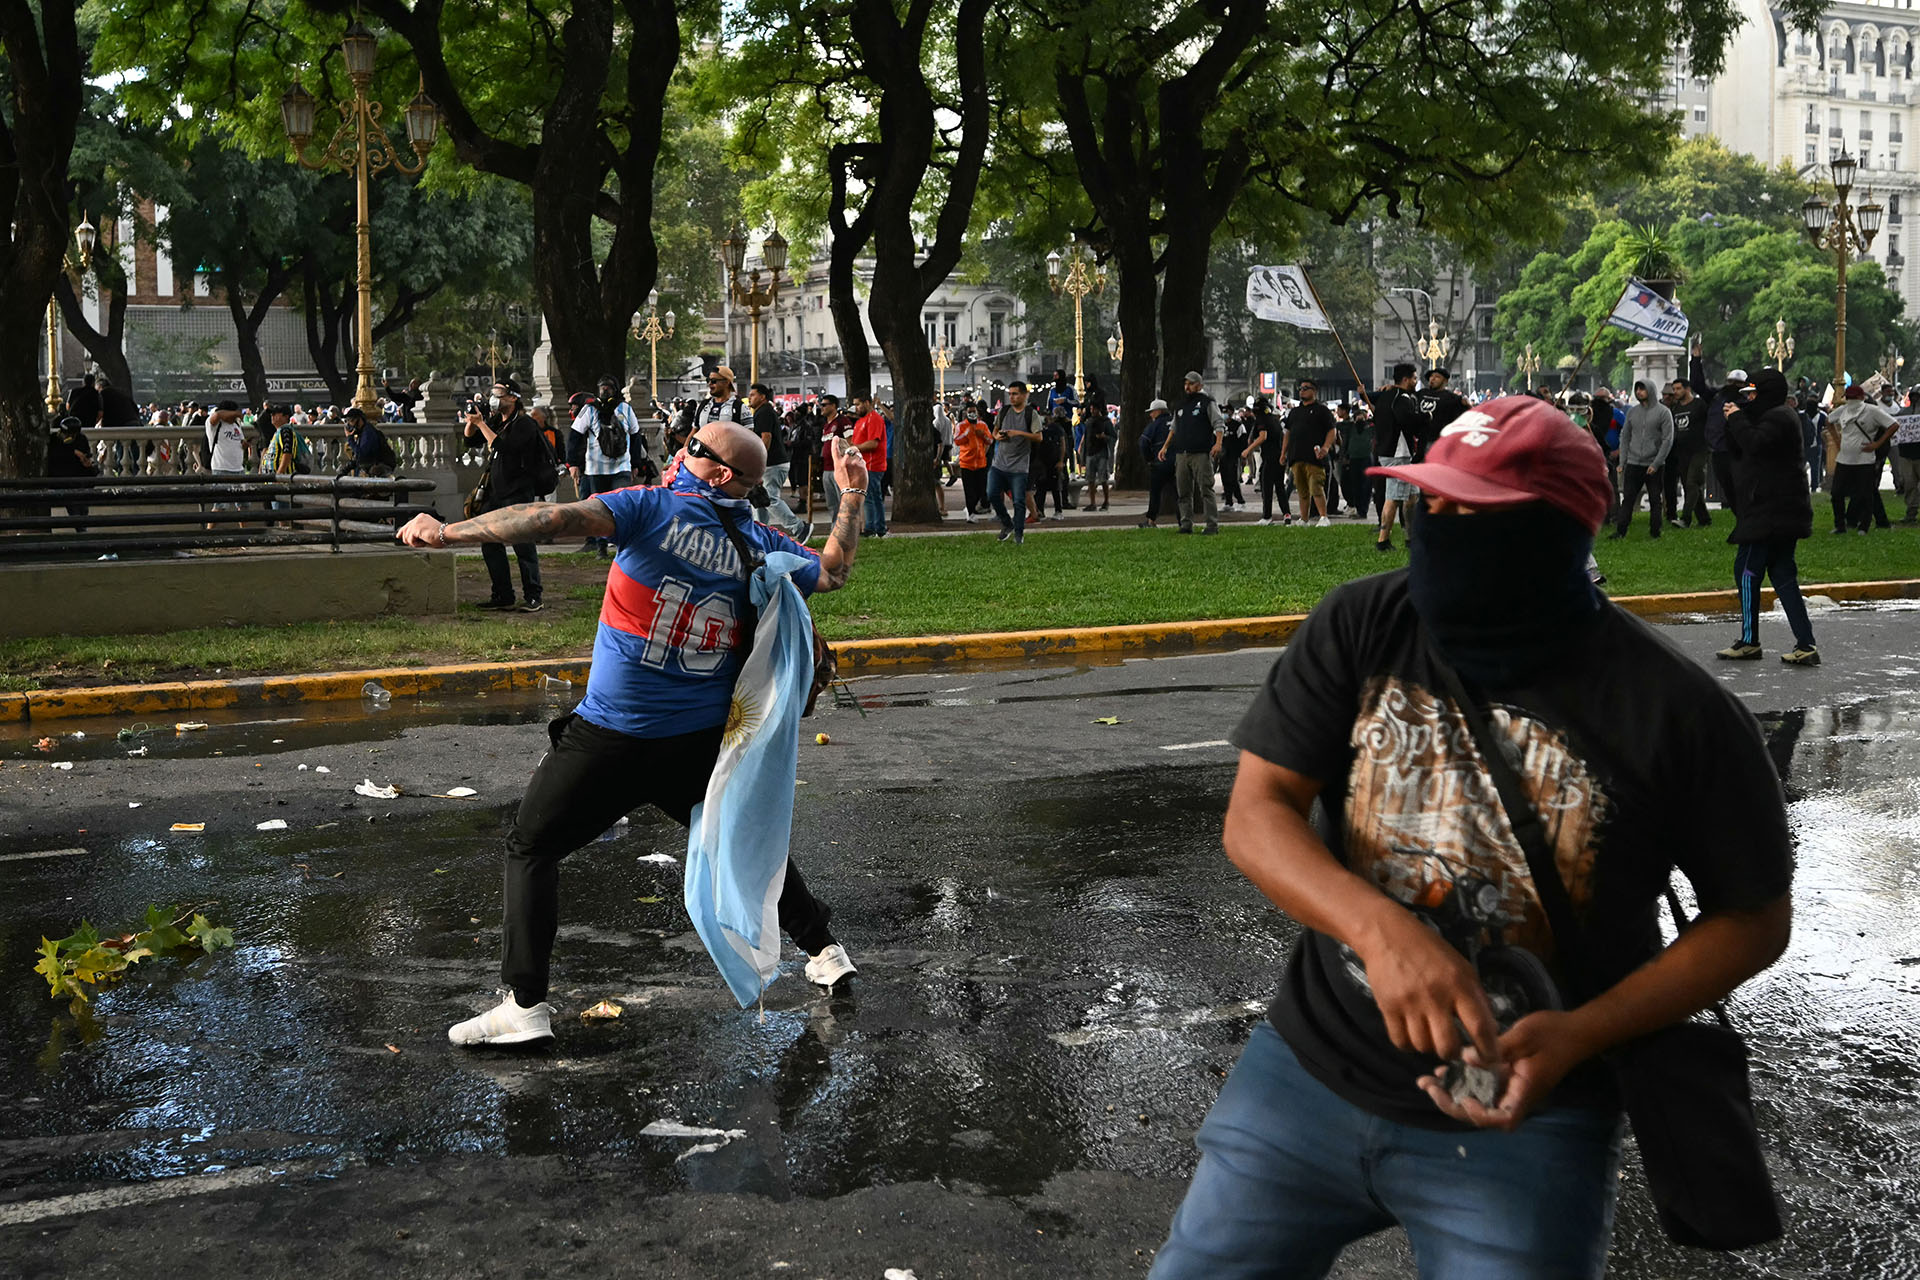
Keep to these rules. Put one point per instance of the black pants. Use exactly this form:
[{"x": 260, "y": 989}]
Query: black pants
[
  {"x": 1853, "y": 494},
  {"x": 1042, "y": 482},
  {"x": 1230, "y": 478},
  {"x": 590, "y": 778},
  {"x": 1685, "y": 485},
  {"x": 973, "y": 484},
  {"x": 495, "y": 556},
  {"x": 1634, "y": 481},
  {"x": 1353, "y": 483},
  {"x": 1159, "y": 488},
  {"x": 1273, "y": 480}
]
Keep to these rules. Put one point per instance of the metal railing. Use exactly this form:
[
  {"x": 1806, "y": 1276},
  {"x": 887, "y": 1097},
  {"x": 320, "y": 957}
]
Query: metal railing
[
  {"x": 178, "y": 450},
  {"x": 112, "y": 515}
]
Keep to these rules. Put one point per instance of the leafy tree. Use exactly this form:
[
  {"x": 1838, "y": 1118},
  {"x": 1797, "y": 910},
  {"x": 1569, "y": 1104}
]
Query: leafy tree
[
  {"x": 565, "y": 99},
  {"x": 908, "y": 147},
  {"x": 1175, "y": 114}
]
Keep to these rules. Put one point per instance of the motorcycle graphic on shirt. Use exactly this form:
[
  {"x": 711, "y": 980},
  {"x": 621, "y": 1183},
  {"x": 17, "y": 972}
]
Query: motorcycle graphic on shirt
[{"x": 1424, "y": 824}]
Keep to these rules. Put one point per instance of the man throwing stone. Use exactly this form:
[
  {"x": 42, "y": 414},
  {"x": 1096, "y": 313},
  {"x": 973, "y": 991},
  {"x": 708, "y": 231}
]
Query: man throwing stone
[{"x": 669, "y": 648}]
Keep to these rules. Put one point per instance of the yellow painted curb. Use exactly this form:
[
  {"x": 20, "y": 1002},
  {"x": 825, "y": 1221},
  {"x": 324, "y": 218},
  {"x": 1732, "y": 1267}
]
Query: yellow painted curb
[{"x": 856, "y": 656}]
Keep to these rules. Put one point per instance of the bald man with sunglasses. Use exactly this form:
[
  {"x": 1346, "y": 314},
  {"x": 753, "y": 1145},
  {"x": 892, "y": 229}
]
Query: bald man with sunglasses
[{"x": 673, "y": 629}]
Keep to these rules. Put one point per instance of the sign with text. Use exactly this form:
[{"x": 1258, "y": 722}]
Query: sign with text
[{"x": 1642, "y": 311}]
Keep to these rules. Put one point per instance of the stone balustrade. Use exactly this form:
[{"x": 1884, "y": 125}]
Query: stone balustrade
[{"x": 164, "y": 451}]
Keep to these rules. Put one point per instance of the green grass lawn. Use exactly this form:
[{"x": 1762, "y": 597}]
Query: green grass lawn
[{"x": 907, "y": 586}]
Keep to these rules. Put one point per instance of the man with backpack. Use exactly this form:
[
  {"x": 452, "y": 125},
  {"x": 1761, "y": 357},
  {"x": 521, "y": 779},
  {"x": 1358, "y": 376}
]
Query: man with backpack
[
  {"x": 287, "y": 453},
  {"x": 605, "y": 448},
  {"x": 1017, "y": 429},
  {"x": 520, "y": 468}
]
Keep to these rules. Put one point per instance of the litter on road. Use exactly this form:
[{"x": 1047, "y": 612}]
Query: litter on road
[
  {"x": 374, "y": 791},
  {"x": 605, "y": 1009},
  {"x": 189, "y": 726},
  {"x": 271, "y": 824},
  {"x": 667, "y": 858},
  {"x": 188, "y": 826}
]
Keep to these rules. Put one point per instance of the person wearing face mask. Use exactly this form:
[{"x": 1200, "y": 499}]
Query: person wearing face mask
[
  {"x": 1772, "y": 514},
  {"x": 971, "y": 439},
  {"x": 674, "y": 631},
  {"x": 1428, "y": 945},
  {"x": 515, "y": 454}
]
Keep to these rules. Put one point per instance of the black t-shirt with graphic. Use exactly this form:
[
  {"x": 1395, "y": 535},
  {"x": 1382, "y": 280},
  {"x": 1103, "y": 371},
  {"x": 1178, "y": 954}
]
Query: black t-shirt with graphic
[
  {"x": 1307, "y": 428},
  {"x": 1636, "y": 760}
]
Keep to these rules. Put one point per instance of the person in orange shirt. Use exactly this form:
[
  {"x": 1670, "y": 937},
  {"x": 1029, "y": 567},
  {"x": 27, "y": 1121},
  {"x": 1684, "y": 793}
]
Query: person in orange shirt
[
  {"x": 971, "y": 439},
  {"x": 870, "y": 438}
]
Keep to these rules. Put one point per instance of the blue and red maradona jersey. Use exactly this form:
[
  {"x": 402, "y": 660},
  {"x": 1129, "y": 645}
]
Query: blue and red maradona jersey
[{"x": 669, "y": 645}]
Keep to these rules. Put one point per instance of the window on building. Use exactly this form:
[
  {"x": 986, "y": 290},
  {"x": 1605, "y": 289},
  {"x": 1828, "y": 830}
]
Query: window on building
[
  {"x": 997, "y": 330},
  {"x": 1893, "y": 207},
  {"x": 1700, "y": 115},
  {"x": 1893, "y": 126},
  {"x": 950, "y": 328},
  {"x": 1833, "y": 122},
  {"x": 931, "y": 322},
  {"x": 1866, "y": 128},
  {"x": 1813, "y": 153},
  {"x": 1813, "y": 121}
]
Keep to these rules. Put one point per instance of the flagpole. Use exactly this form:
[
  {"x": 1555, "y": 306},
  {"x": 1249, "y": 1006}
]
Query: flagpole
[{"x": 1360, "y": 383}]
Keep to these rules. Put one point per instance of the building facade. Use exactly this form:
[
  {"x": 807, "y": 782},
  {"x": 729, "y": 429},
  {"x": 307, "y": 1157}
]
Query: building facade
[
  {"x": 1803, "y": 97},
  {"x": 982, "y": 326}
]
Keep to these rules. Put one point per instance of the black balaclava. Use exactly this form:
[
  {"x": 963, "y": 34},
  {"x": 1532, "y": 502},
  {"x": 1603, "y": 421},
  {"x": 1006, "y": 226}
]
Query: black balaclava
[{"x": 1502, "y": 593}]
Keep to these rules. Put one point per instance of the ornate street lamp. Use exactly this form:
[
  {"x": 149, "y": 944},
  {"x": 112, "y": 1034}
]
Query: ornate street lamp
[
  {"x": 733, "y": 256},
  {"x": 1435, "y": 346},
  {"x": 942, "y": 361},
  {"x": 651, "y": 332},
  {"x": 1527, "y": 365},
  {"x": 362, "y": 145},
  {"x": 86, "y": 236},
  {"x": 1079, "y": 279},
  {"x": 1843, "y": 229},
  {"x": 1116, "y": 348},
  {"x": 1780, "y": 346}
]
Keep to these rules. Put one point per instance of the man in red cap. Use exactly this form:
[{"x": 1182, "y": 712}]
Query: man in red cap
[{"x": 1430, "y": 1058}]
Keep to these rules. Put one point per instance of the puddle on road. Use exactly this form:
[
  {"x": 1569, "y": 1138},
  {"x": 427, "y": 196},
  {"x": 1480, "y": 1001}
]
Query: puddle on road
[
  {"x": 1043, "y": 963},
  {"x": 273, "y": 730}
]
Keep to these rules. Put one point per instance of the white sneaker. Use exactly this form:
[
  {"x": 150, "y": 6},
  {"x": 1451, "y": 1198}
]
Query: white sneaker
[
  {"x": 507, "y": 1023},
  {"x": 969, "y": 517},
  {"x": 1323, "y": 523},
  {"x": 830, "y": 966},
  {"x": 1263, "y": 522}
]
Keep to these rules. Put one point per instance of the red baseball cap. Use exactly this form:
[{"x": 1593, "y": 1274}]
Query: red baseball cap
[{"x": 1512, "y": 451}]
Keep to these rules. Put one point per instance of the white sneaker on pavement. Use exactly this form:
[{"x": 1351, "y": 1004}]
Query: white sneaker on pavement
[
  {"x": 830, "y": 966},
  {"x": 1323, "y": 523},
  {"x": 1263, "y": 522},
  {"x": 506, "y": 1023}
]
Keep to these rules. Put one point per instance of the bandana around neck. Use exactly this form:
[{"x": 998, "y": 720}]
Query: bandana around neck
[{"x": 684, "y": 481}]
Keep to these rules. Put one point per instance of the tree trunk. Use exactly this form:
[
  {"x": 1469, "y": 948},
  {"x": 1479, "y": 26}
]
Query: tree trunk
[
  {"x": 893, "y": 53},
  {"x": 108, "y": 349},
  {"x": 324, "y": 316},
  {"x": 43, "y": 71},
  {"x": 848, "y": 240},
  {"x": 587, "y": 309},
  {"x": 253, "y": 369},
  {"x": 1138, "y": 361}
]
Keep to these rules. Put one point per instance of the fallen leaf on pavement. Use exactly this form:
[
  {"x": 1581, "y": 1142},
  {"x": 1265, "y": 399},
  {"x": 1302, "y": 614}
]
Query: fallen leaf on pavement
[
  {"x": 1109, "y": 720},
  {"x": 393, "y": 1048},
  {"x": 189, "y": 826}
]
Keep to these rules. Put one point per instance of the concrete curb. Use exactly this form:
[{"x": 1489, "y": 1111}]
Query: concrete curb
[{"x": 856, "y": 657}]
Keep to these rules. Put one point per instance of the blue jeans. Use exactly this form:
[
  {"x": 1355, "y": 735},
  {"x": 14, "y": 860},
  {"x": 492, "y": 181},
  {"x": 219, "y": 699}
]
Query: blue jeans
[
  {"x": 999, "y": 484},
  {"x": 1290, "y": 1174},
  {"x": 876, "y": 505}
]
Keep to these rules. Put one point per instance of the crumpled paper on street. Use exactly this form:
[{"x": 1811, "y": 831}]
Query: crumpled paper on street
[{"x": 374, "y": 791}]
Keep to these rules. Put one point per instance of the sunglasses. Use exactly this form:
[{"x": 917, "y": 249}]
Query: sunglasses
[{"x": 698, "y": 448}]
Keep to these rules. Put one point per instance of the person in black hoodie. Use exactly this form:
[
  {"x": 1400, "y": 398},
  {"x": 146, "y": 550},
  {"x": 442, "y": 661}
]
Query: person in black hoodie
[{"x": 1772, "y": 512}]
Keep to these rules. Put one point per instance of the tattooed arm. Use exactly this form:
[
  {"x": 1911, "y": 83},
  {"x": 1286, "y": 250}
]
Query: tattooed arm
[
  {"x": 526, "y": 522},
  {"x": 836, "y": 558}
]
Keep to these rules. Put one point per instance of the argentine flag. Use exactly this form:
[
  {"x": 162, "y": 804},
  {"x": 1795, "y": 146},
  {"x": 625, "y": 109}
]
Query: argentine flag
[{"x": 738, "y": 837}]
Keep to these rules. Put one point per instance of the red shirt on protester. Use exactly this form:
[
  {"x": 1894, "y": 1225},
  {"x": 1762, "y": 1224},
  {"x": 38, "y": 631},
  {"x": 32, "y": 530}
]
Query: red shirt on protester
[{"x": 872, "y": 427}]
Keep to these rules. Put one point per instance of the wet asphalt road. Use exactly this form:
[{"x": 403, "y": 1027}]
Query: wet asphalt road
[{"x": 1058, "y": 968}]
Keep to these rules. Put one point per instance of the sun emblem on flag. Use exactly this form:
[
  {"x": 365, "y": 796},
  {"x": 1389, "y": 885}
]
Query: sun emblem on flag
[{"x": 743, "y": 717}]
